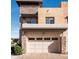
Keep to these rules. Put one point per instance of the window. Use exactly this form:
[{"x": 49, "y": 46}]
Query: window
[
  {"x": 39, "y": 38},
  {"x": 31, "y": 38},
  {"x": 46, "y": 38},
  {"x": 49, "y": 20},
  {"x": 54, "y": 38},
  {"x": 28, "y": 21},
  {"x": 31, "y": 20}
]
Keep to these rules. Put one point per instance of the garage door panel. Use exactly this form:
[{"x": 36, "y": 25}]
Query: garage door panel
[{"x": 30, "y": 51}]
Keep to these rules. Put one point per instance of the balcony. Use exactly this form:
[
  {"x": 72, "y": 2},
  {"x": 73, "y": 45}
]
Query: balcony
[{"x": 43, "y": 26}]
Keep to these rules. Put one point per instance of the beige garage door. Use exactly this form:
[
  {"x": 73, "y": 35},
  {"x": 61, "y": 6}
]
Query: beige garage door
[{"x": 42, "y": 45}]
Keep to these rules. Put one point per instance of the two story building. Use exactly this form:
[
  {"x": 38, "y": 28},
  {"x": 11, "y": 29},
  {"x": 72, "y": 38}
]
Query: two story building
[{"x": 43, "y": 30}]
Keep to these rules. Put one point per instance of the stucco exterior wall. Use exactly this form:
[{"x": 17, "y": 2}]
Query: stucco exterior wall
[
  {"x": 29, "y": 9},
  {"x": 50, "y": 12},
  {"x": 59, "y": 14},
  {"x": 64, "y": 7}
]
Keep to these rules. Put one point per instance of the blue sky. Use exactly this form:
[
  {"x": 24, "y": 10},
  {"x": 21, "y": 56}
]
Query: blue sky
[{"x": 15, "y": 14}]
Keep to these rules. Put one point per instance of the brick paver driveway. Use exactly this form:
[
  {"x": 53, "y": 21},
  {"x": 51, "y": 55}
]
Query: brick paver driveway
[{"x": 41, "y": 56}]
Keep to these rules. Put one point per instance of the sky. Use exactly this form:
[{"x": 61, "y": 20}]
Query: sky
[{"x": 15, "y": 14}]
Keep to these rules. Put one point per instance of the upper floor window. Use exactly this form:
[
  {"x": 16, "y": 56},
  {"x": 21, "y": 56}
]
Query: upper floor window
[
  {"x": 31, "y": 20},
  {"x": 50, "y": 20}
]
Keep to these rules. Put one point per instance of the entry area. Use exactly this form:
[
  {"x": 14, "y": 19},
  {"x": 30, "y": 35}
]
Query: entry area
[{"x": 42, "y": 45}]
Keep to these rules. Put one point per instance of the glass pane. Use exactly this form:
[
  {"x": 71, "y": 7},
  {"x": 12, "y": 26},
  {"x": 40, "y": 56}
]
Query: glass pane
[
  {"x": 33, "y": 21},
  {"x": 31, "y": 38},
  {"x": 39, "y": 38},
  {"x": 28, "y": 21},
  {"x": 54, "y": 38},
  {"x": 50, "y": 20},
  {"x": 46, "y": 38}
]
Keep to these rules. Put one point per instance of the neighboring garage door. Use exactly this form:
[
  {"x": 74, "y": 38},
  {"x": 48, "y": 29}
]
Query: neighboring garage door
[{"x": 42, "y": 45}]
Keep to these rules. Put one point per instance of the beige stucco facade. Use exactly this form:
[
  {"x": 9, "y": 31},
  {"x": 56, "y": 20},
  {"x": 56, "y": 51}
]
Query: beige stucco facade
[
  {"x": 42, "y": 37},
  {"x": 58, "y": 13}
]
